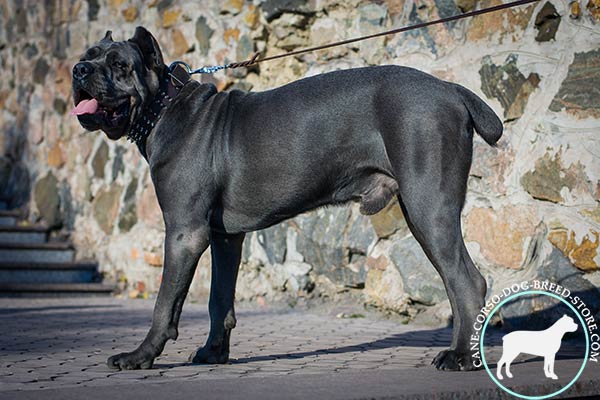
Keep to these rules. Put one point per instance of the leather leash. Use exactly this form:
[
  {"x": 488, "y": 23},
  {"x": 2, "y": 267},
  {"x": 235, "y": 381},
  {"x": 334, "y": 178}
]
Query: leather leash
[
  {"x": 255, "y": 57},
  {"x": 179, "y": 72}
]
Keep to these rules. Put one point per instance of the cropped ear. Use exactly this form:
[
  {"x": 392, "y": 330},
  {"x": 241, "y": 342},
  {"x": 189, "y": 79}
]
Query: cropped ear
[
  {"x": 150, "y": 50},
  {"x": 107, "y": 37}
]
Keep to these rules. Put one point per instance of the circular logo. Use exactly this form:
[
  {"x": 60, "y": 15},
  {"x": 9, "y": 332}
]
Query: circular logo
[{"x": 567, "y": 323}]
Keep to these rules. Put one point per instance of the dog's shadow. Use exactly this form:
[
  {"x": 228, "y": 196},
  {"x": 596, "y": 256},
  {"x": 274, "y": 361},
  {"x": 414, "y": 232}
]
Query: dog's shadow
[
  {"x": 432, "y": 338},
  {"x": 424, "y": 338}
]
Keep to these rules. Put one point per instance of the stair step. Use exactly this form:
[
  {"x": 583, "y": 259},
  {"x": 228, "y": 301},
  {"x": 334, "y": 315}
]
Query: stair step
[
  {"x": 77, "y": 272},
  {"x": 8, "y": 220},
  {"x": 11, "y": 213},
  {"x": 9, "y": 217},
  {"x": 23, "y": 234},
  {"x": 55, "y": 289},
  {"x": 52, "y": 252}
]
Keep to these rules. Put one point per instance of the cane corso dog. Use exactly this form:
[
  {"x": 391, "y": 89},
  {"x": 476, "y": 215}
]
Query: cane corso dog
[{"x": 227, "y": 163}]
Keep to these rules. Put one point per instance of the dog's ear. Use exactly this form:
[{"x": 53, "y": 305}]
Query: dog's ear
[
  {"x": 107, "y": 37},
  {"x": 149, "y": 47}
]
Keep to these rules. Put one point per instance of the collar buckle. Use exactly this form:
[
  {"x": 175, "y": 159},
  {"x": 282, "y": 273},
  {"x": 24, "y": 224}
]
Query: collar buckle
[{"x": 178, "y": 74}]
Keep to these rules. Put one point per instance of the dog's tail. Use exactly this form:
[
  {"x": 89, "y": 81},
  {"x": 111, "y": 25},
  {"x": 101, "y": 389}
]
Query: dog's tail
[{"x": 486, "y": 122}]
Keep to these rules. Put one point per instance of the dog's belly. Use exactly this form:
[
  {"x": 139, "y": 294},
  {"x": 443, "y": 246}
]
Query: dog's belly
[
  {"x": 261, "y": 209},
  {"x": 266, "y": 191}
]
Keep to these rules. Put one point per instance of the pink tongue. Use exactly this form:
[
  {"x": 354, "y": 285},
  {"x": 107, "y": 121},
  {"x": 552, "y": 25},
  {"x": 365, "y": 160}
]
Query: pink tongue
[{"x": 85, "y": 107}]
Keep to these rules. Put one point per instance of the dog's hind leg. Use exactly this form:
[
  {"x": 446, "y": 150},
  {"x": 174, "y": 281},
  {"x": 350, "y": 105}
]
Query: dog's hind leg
[
  {"x": 183, "y": 247},
  {"x": 440, "y": 236},
  {"x": 508, "y": 362},
  {"x": 507, "y": 358},
  {"x": 501, "y": 362},
  {"x": 226, "y": 253},
  {"x": 432, "y": 168}
]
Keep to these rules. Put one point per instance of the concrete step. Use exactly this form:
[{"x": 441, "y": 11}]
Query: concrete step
[
  {"x": 9, "y": 217},
  {"x": 55, "y": 289},
  {"x": 52, "y": 252},
  {"x": 23, "y": 234},
  {"x": 77, "y": 272}
]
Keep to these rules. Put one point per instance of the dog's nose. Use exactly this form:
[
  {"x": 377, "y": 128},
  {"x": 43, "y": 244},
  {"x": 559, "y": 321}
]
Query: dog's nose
[{"x": 82, "y": 69}]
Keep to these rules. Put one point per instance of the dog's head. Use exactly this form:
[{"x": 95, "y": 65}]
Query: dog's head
[
  {"x": 568, "y": 324},
  {"x": 114, "y": 80}
]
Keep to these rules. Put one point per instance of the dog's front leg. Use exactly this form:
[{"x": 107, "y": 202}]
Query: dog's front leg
[
  {"x": 226, "y": 253},
  {"x": 550, "y": 373},
  {"x": 183, "y": 247}
]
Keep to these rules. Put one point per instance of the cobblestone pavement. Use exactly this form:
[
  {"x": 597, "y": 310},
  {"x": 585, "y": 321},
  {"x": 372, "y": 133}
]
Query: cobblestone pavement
[{"x": 64, "y": 343}]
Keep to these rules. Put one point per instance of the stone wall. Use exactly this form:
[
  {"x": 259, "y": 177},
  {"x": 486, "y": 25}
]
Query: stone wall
[{"x": 532, "y": 208}]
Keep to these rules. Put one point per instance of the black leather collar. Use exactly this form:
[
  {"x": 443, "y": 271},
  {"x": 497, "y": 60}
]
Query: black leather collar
[{"x": 169, "y": 88}]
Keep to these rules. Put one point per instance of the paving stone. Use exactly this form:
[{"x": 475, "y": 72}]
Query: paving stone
[{"x": 46, "y": 347}]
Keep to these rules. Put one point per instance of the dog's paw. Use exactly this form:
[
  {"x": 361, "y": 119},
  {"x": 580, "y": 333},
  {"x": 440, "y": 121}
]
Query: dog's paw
[
  {"x": 206, "y": 355},
  {"x": 451, "y": 360},
  {"x": 133, "y": 360}
]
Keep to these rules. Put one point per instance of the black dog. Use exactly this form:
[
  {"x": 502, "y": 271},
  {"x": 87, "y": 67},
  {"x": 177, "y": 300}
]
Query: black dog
[{"x": 228, "y": 163}]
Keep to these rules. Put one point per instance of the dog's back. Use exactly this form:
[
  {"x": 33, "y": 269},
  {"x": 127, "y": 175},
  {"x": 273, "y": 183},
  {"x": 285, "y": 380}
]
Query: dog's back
[{"x": 539, "y": 343}]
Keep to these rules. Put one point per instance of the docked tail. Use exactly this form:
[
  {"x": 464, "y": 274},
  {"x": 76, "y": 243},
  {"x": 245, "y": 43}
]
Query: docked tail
[{"x": 487, "y": 124}]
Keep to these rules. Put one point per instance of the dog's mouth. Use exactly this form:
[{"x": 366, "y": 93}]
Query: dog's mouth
[{"x": 89, "y": 109}]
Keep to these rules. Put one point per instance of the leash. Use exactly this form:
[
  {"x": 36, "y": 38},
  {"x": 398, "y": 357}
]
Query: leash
[
  {"x": 180, "y": 72},
  {"x": 255, "y": 60}
]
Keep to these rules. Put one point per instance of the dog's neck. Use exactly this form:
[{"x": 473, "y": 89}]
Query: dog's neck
[
  {"x": 557, "y": 327},
  {"x": 170, "y": 85}
]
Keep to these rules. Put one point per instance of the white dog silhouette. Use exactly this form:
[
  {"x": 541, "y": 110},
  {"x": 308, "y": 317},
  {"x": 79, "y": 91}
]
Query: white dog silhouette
[{"x": 539, "y": 343}]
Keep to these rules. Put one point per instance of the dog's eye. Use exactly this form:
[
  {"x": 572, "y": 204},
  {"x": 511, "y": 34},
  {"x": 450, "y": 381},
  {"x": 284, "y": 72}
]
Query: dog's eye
[{"x": 119, "y": 64}]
